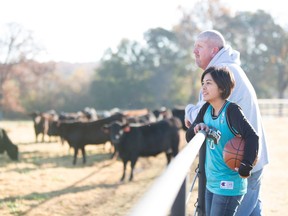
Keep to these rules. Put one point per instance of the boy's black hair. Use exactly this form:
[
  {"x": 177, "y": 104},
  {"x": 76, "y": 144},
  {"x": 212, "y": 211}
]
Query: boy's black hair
[{"x": 224, "y": 79}]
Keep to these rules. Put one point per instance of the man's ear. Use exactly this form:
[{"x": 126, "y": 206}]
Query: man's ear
[{"x": 214, "y": 51}]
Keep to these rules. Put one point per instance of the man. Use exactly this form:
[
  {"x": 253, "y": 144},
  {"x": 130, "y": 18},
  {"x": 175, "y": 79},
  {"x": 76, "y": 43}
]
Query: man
[{"x": 211, "y": 50}]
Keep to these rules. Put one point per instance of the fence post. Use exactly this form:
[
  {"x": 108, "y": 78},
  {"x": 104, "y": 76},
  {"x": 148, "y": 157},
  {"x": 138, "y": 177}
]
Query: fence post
[
  {"x": 201, "y": 181},
  {"x": 179, "y": 205}
]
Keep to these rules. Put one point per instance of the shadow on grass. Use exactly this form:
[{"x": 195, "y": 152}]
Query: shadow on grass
[
  {"x": 45, "y": 197},
  {"x": 43, "y": 159}
]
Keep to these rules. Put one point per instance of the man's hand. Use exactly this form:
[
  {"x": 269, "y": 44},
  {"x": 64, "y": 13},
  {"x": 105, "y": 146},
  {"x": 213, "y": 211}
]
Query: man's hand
[{"x": 187, "y": 123}]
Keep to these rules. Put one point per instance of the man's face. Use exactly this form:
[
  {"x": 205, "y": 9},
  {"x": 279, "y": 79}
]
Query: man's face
[{"x": 203, "y": 52}]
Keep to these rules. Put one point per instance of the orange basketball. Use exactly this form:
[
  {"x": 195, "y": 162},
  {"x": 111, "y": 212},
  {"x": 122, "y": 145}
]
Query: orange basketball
[{"x": 233, "y": 152}]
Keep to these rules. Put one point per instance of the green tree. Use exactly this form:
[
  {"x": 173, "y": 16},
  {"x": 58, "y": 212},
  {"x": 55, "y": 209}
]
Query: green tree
[
  {"x": 261, "y": 43},
  {"x": 169, "y": 73},
  {"x": 137, "y": 76},
  {"x": 119, "y": 81}
]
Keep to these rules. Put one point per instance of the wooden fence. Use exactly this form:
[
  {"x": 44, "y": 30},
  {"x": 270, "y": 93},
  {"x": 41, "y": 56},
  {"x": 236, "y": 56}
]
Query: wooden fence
[{"x": 273, "y": 107}]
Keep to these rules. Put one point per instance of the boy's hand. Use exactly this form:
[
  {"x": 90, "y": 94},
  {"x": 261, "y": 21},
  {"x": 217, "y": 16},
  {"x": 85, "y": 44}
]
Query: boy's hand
[
  {"x": 201, "y": 126},
  {"x": 244, "y": 169}
]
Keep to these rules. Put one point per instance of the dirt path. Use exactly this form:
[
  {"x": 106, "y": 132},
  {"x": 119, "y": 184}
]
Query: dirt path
[{"x": 44, "y": 182}]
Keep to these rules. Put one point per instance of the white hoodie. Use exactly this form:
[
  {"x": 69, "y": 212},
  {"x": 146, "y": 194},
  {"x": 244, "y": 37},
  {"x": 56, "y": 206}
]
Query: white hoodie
[{"x": 243, "y": 94}]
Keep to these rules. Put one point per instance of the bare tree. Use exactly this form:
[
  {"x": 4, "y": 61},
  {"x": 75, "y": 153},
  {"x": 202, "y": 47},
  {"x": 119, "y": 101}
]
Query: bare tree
[{"x": 17, "y": 51}]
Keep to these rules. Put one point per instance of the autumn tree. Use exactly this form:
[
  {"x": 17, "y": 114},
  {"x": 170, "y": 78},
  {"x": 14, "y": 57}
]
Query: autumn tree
[{"x": 17, "y": 67}]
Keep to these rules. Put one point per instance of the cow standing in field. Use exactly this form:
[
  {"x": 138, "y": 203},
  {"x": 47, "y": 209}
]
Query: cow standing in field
[
  {"x": 40, "y": 125},
  {"x": 45, "y": 123},
  {"x": 81, "y": 116},
  {"x": 152, "y": 139},
  {"x": 41, "y": 122},
  {"x": 6, "y": 145},
  {"x": 79, "y": 134}
]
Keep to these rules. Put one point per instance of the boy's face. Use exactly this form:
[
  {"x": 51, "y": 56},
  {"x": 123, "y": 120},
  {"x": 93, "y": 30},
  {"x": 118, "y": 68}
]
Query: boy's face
[{"x": 210, "y": 89}]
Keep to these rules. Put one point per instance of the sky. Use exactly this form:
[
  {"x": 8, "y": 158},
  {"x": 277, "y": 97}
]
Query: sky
[{"x": 80, "y": 31}]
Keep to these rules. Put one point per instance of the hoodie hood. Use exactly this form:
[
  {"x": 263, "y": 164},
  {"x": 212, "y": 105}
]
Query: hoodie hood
[{"x": 225, "y": 56}]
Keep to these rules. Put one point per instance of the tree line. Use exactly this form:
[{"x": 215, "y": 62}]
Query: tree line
[{"x": 159, "y": 72}]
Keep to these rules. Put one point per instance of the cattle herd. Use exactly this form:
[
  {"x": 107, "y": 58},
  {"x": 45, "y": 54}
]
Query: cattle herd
[{"x": 132, "y": 133}]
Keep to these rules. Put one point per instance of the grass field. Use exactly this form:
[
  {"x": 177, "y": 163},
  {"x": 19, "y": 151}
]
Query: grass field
[{"x": 44, "y": 181}]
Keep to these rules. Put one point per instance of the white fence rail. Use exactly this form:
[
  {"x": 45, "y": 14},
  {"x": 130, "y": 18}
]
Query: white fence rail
[{"x": 159, "y": 199}]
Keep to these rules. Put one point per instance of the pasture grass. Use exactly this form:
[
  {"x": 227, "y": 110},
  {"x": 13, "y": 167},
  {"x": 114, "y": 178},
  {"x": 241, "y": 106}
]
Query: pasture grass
[{"x": 44, "y": 182}]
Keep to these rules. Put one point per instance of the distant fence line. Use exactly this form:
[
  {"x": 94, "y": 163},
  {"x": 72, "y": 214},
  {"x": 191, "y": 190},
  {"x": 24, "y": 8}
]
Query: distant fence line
[{"x": 273, "y": 107}]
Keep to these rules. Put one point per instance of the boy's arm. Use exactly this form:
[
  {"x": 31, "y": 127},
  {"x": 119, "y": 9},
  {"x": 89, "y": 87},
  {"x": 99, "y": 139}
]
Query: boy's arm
[{"x": 239, "y": 124}]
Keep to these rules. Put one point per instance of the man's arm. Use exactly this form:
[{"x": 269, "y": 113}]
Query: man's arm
[{"x": 191, "y": 112}]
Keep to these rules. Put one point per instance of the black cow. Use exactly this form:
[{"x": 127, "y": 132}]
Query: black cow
[
  {"x": 147, "y": 140},
  {"x": 79, "y": 134},
  {"x": 180, "y": 113},
  {"x": 142, "y": 119},
  {"x": 6, "y": 145},
  {"x": 53, "y": 130},
  {"x": 162, "y": 113}
]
